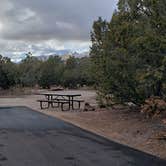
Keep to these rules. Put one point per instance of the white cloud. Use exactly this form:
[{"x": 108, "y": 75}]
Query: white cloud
[{"x": 45, "y": 26}]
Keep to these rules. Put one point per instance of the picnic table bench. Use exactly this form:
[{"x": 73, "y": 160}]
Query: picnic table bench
[
  {"x": 60, "y": 100},
  {"x": 51, "y": 102}
]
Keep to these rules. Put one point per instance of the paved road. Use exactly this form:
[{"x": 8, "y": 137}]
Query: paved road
[{"x": 29, "y": 138}]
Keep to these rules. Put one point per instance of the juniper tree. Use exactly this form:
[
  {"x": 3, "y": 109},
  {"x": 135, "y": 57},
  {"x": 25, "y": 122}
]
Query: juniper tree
[{"x": 129, "y": 52}]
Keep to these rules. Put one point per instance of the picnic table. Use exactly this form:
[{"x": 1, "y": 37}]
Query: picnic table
[{"x": 61, "y": 99}]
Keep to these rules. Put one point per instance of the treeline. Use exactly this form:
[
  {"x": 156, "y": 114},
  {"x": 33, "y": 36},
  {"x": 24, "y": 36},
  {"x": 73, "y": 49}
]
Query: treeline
[
  {"x": 129, "y": 52},
  {"x": 127, "y": 58},
  {"x": 72, "y": 73}
]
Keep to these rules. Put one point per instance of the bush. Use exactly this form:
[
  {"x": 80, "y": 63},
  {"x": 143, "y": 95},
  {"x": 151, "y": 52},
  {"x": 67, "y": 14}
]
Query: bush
[{"x": 153, "y": 106}]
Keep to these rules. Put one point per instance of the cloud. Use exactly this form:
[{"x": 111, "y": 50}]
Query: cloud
[
  {"x": 17, "y": 50},
  {"x": 27, "y": 24}
]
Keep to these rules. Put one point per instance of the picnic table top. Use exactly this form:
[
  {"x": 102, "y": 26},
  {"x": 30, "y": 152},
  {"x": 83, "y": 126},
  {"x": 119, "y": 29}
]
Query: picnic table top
[{"x": 56, "y": 94}]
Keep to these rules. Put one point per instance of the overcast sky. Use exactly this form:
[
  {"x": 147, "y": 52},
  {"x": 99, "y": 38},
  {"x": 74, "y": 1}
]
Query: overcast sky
[{"x": 43, "y": 26}]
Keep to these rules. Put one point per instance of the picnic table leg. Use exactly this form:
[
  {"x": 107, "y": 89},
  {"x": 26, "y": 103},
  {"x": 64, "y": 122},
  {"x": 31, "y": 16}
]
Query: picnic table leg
[
  {"x": 69, "y": 103},
  {"x": 50, "y": 97},
  {"x": 41, "y": 106},
  {"x": 79, "y": 104},
  {"x": 72, "y": 102},
  {"x": 62, "y": 107}
]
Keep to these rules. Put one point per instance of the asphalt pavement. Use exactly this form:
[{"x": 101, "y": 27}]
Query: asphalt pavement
[{"x": 30, "y": 138}]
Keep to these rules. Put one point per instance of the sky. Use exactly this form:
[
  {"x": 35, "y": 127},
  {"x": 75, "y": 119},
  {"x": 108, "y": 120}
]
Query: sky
[{"x": 44, "y": 26}]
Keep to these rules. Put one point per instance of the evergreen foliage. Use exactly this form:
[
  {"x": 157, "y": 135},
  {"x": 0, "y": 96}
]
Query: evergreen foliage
[
  {"x": 129, "y": 52},
  {"x": 31, "y": 71}
]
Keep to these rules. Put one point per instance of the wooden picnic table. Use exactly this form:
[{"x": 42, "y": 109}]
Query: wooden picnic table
[{"x": 67, "y": 97}]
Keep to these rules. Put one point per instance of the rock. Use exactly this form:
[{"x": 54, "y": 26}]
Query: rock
[{"x": 88, "y": 107}]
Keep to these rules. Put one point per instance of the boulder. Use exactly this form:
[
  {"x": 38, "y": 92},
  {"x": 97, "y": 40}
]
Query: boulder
[{"x": 88, "y": 107}]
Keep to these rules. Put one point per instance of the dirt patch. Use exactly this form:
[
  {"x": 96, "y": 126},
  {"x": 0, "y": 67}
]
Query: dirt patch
[{"x": 122, "y": 126}]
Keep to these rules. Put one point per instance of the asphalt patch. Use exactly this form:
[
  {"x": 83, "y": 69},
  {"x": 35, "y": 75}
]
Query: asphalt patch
[{"x": 36, "y": 139}]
